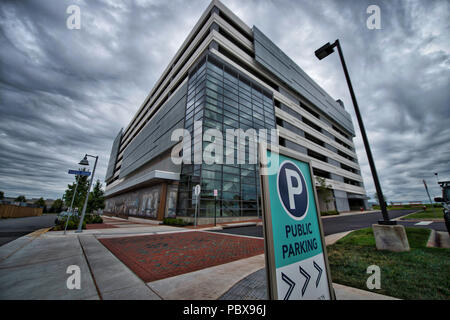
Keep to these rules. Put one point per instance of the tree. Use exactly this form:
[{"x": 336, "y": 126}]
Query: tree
[
  {"x": 80, "y": 196},
  {"x": 20, "y": 199},
  {"x": 324, "y": 191},
  {"x": 96, "y": 199},
  {"x": 57, "y": 206},
  {"x": 41, "y": 203},
  {"x": 2, "y": 195}
]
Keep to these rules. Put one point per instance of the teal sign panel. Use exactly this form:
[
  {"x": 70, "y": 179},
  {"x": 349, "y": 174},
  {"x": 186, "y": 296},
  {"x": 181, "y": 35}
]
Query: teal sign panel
[
  {"x": 297, "y": 242},
  {"x": 294, "y": 212}
]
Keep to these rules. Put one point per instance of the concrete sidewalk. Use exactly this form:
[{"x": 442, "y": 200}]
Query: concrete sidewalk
[
  {"x": 254, "y": 287},
  {"x": 34, "y": 267}
]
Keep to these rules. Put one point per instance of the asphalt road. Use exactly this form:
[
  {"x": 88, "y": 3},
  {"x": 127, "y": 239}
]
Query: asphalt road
[
  {"x": 347, "y": 223},
  {"x": 338, "y": 224},
  {"x": 13, "y": 228}
]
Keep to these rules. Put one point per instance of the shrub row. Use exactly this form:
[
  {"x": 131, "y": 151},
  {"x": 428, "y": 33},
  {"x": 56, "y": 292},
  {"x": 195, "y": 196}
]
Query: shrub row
[
  {"x": 329, "y": 213},
  {"x": 175, "y": 222},
  {"x": 72, "y": 225},
  {"x": 60, "y": 223}
]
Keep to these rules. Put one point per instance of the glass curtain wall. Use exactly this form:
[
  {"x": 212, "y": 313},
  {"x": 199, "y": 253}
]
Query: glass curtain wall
[{"x": 221, "y": 98}]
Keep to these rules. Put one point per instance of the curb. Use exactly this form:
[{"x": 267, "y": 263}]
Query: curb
[
  {"x": 343, "y": 214},
  {"x": 420, "y": 220},
  {"x": 432, "y": 239},
  {"x": 39, "y": 232},
  {"x": 401, "y": 217},
  {"x": 237, "y": 225},
  {"x": 335, "y": 237}
]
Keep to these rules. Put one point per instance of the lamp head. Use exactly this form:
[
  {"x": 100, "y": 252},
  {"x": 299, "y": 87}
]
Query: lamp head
[
  {"x": 84, "y": 162},
  {"x": 324, "y": 51}
]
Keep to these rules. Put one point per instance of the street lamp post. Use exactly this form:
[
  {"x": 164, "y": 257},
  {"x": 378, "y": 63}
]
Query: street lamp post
[
  {"x": 85, "y": 162},
  {"x": 321, "y": 53},
  {"x": 71, "y": 204}
]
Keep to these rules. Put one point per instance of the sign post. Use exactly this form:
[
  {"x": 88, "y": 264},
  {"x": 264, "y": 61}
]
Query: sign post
[
  {"x": 76, "y": 173},
  {"x": 296, "y": 259},
  {"x": 426, "y": 188},
  {"x": 215, "y": 201},
  {"x": 71, "y": 205},
  {"x": 197, "y": 191}
]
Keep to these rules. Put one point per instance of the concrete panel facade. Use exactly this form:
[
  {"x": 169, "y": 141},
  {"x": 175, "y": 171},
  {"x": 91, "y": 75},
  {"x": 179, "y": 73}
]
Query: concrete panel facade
[
  {"x": 155, "y": 138},
  {"x": 113, "y": 156},
  {"x": 276, "y": 61}
]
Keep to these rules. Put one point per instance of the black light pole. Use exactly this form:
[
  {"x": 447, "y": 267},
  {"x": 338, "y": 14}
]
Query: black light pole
[
  {"x": 321, "y": 53},
  {"x": 85, "y": 162}
]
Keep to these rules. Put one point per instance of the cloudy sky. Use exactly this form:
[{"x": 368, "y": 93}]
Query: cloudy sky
[{"x": 64, "y": 93}]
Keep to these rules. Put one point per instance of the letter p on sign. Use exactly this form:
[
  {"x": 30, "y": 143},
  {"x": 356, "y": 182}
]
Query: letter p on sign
[
  {"x": 292, "y": 190},
  {"x": 291, "y": 174}
]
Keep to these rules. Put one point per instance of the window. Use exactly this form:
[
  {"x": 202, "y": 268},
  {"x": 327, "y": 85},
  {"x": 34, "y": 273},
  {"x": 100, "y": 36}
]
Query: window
[
  {"x": 224, "y": 99},
  {"x": 316, "y": 155}
]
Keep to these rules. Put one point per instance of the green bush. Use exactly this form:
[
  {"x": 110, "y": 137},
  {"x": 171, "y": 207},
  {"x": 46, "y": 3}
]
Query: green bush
[
  {"x": 72, "y": 225},
  {"x": 175, "y": 222},
  {"x": 93, "y": 218}
]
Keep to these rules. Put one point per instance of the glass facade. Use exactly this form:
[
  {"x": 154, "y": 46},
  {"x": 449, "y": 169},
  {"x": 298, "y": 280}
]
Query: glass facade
[{"x": 221, "y": 98}]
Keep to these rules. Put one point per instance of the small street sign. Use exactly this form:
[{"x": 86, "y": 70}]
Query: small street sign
[
  {"x": 197, "y": 190},
  {"x": 296, "y": 258},
  {"x": 215, "y": 193},
  {"x": 80, "y": 173}
]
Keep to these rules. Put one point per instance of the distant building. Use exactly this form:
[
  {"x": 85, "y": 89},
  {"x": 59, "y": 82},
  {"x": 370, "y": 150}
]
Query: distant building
[{"x": 227, "y": 75}]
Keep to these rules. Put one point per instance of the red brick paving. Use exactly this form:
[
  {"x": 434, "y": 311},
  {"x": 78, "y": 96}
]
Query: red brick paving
[
  {"x": 156, "y": 257},
  {"x": 91, "y": 226}
]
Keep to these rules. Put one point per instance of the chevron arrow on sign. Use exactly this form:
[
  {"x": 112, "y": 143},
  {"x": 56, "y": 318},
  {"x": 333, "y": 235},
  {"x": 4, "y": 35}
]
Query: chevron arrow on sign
[
  {"x": 291, "y": 284},
  {"x": 307, "y": 276},
  {"x": 320, "y": 272}
]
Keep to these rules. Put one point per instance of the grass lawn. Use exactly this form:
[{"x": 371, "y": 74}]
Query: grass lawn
[
  {"x": 430, "y": 213},
  {"x": 422, "y": 273}
]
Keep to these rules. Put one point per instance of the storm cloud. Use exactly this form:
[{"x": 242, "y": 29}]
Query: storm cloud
[{"x": 64, "y": 93}]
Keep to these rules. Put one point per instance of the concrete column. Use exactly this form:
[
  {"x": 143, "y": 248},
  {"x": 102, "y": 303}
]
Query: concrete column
[
  {"x": 214, "y": 26},
  {"x": 215, "y": 10},
  {"x": 341, "y": 201},
  {"x": 213, "y": 45}
]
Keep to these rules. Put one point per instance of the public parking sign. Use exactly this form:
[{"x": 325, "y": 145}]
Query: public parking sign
[{"x": 296, "y": 259}]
